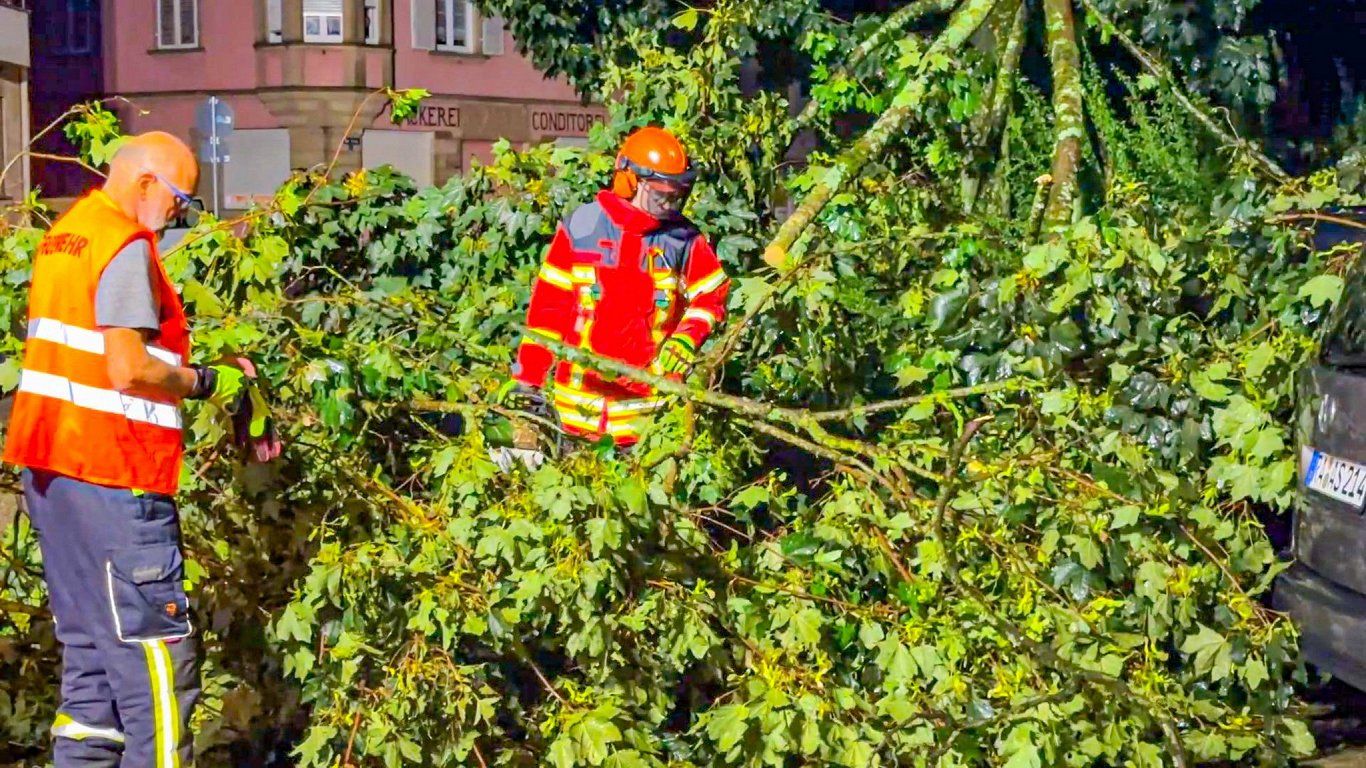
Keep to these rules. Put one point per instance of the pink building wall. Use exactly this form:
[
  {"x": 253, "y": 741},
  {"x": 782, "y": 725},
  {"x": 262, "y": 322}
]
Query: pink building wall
[
  {"x": 226, "y": 59},
  {"x": 509, "y": 75},
  {"x": 313, "y": 89}
]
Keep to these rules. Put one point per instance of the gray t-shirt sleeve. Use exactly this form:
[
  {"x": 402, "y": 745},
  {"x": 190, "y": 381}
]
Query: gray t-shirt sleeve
[{"x": 125, "y": 298}]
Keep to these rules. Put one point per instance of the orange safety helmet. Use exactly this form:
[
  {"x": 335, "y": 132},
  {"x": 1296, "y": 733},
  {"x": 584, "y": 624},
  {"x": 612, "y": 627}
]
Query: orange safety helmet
[{"x": 651, "y": 153}]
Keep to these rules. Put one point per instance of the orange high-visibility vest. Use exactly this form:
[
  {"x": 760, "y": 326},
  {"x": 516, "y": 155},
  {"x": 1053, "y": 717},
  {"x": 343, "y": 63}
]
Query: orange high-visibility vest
[{"x": 67, "y": 417}]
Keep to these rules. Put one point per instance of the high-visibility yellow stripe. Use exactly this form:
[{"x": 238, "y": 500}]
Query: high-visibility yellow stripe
[
  {"x": 697, "y": 313},
  {"x": 158, "y": 711},
  {"x": 577, "y": 421},
  {"x": 709, "y": 283},
  {"x": 556, "y": 277},
  {"x": 627, "y": 408},
  {"x": 628, "y": 428},
  {"x": 544, "y": 333},
  {"x": 584, "y": 273},
  {"x": 173, "y": 715},
  {"x": 580, "y": 398},
  {"x": 163, "y": 703}
]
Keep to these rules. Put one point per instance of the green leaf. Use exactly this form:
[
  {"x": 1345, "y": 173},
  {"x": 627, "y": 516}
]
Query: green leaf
[
  {"x": 1321, "y": 290},
  {"x": 728, "y": 725},
  {"x": 1299, "y": 739},
  {"x": 687, "y": 19},
  {"x": 1206, "y": 646},
  {"x": 10, "y": 369},
  {"x": 1258, "y": 359},
  {"x": 807, "y": 626},
  {"x": 1254, "y": 672},
  {"x": 1203, "y": 382},
  {"x": 310, "y": 750}
]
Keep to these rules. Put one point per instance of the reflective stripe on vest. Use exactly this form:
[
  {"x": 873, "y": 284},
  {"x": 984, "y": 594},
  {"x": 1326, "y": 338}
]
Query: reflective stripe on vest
[
  {"x": 86, "y": 340},
  {"x": 103, "y": 400}
]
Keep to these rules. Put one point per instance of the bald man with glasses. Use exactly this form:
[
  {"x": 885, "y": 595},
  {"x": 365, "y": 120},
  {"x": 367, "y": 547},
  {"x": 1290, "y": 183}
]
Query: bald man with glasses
[{"x": 97, "y": 427}]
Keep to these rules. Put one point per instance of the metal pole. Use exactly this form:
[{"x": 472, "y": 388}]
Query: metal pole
[{"x": 216, "y": 155}]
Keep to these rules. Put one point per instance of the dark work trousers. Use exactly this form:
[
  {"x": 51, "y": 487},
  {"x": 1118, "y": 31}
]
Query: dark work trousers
[{"x": 130, "y": 670}]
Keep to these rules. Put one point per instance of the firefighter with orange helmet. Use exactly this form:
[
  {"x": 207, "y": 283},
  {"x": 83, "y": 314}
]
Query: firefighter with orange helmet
[{"x": 626, "y": 277}]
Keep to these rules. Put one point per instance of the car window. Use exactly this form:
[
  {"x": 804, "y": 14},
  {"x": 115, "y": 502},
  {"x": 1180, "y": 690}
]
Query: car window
[{"x": 1346, "y": 342}]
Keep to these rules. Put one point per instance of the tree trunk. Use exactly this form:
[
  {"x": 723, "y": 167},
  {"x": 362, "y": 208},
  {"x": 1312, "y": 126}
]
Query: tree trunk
[
  {"x": 964, "y": 22},
  {"x": 1068, "y": 120}
]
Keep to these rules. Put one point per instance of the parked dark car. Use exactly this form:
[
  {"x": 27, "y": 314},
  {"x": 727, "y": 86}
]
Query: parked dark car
[{"x": 1325, "y": 590}]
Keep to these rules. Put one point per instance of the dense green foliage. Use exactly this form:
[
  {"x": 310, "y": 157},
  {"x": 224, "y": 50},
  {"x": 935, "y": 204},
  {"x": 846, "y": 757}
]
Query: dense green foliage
[
  {"x": 959, "y": 494},
  {"x": 1215, "y": 42}
]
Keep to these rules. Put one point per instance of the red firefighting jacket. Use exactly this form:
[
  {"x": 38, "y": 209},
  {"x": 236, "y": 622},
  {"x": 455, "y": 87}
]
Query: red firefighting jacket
[{"x": 618, "y": 283}]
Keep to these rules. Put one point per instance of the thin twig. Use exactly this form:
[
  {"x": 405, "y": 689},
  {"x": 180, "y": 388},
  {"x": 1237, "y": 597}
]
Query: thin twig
[
  {"x": 351, "y": 741},
  {"x": 1346, "y": 222},
  {"x": 905, "y": 402}
]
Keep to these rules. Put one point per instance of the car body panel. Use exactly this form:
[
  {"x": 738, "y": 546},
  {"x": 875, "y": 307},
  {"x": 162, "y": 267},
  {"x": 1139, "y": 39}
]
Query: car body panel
[{"x": 1325, "y": 590}]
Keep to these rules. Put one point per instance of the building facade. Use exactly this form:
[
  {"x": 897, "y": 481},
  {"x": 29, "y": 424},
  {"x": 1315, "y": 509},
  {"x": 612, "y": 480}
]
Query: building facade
[
  {"x": 14, "y": 101},
  {"x": 300, "y": 78}
]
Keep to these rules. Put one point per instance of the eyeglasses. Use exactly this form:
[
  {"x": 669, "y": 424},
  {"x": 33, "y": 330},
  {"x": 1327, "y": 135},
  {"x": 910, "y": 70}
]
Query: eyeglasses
[{"x": 185, "y": 202}]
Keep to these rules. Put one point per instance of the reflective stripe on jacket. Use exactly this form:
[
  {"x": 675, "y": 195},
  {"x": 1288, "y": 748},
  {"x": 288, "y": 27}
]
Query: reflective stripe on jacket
[{"x": 67, "y": 416}]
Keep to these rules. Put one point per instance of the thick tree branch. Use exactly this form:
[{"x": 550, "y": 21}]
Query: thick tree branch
[
  {"x": 1202, "y": 114},
  {"x": 962, "y": 25},
  {"x": 1068, "y": 120}
]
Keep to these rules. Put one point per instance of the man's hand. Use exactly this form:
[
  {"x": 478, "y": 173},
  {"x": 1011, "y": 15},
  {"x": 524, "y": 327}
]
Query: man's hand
[
  {"x": 223, "y": 383},
  {"x": 231, "y": 385},
  {"x": 676, "y": 357},
  {"x": 516, "y": 396}
]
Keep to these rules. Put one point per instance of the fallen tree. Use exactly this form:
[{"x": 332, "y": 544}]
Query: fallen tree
[{"x": 963, "y": 488}]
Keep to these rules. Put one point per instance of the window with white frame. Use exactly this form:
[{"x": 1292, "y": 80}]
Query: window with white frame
[
  {"x": 177, "y": 23},
  {"x": 455, "y": 26},
  {"x": 323, "y": 21}
]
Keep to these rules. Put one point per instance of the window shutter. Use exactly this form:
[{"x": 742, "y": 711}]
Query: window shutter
[
  {"x": 491, "y": 37},
  {"x": 275, "y": 21},
  {"x": 372, "y": 22},
  {"x": 328, "y": 7},
  {"x": 424, "y": 24}
]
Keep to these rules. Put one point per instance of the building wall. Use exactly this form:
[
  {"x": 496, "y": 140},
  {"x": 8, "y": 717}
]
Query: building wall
[
  {"x": 319, "y": 91},
  {"x": 14, "y": 112}
]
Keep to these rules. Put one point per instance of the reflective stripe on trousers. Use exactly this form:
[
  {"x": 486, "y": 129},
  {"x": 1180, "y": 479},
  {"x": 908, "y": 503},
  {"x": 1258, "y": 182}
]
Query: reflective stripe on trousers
[
  {"x": 113, "y": 566},
  {"x": 64, "y": 727}
]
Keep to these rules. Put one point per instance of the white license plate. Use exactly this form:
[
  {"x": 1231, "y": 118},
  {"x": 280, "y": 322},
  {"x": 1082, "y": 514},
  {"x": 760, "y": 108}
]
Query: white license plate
[{"x": 1337, "y": 478}]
